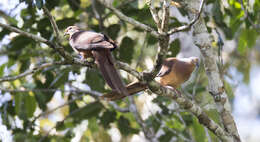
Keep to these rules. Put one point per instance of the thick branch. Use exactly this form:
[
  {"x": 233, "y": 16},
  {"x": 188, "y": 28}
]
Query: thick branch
[
  {"x": 193, "y": 108},
  {"x": 202, "y": 39},
  {"x": 129, "y": 19},
  {"x": 185, "y": 27},
  {"x": 127, "y": 68},
  {"x": 30, "y": 71},
  {"x": 163, "y": 42}
]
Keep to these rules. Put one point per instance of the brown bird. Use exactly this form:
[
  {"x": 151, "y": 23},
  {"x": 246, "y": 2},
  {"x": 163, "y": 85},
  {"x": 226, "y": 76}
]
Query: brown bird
[
  {"x": 173, "y": 73},
  {"x": 99, "y": 46}
]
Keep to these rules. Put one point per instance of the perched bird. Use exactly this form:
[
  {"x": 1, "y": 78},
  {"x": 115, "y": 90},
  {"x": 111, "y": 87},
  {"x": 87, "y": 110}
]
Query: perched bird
[
  {"x": 99, "y": 46},
  {"x": 173, "y": 73}
]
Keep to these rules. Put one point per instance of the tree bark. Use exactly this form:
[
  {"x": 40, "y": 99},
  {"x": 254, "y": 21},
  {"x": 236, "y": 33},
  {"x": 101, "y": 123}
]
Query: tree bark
[{"x": 202, "y": 39}]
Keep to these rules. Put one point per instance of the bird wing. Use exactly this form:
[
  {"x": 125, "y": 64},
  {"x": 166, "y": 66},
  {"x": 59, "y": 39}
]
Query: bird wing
[{"x": 86, "y": 40}]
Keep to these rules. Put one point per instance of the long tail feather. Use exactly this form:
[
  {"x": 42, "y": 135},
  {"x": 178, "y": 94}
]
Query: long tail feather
[
  {"x": 132, "y": 88},
  {"x": 104, "y": 61}
]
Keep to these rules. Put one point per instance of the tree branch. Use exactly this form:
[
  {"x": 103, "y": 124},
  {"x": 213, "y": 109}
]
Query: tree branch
[
  {"x": 201, "y": 38},
  {"x": 148, "y": 132},
  {"x": 32, "y": 36},
  {"x": 31, "y": 71},
  {"x": 66, "y": 55},
  {"x": 129, "y": 19},
  {"x": 93, "y": 94},
  {"x": 165, "y": 16},
  {"x": 97, "y": 15},
  {"x": 185, "y": 27},
  {"x": 163, "y": 43},
  {"x": 193, "y": 108},
  {"x": 127, "y": 68},
  {"x": 256, "y": 26},
  {"x": 155, "y": 16},
  {"x": 97, "y": 96},
  {"x": 53, "y": 23}
]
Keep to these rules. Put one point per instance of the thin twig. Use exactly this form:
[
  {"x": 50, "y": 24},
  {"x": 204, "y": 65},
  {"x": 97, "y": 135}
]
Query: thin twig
[
  {"x": 30, "y": 71},
  {"x": 165, "y": 126},
  {"x": 127, "y": 68},
  {"x": 256, "y": 26},
  {"x": 70, "y": 114},
  {"x": 97, "y": 96},
  {"x": 66, "y": 55},
  {"x": 165, "y": 16},
  {"x": 129, "y": 19},
  {"x": 155, "y": 16},
  {"x": 148, "y": 132},
  {"x": 53, "y": 23},
  {"x": 35, "y": 37},
  {"x": 185, "y": 27},
  {"x": 97, "y": 15}
]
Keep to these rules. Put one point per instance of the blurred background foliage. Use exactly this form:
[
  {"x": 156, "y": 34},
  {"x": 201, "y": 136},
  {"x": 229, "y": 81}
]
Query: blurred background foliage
[{"x": 88, "y": 119}]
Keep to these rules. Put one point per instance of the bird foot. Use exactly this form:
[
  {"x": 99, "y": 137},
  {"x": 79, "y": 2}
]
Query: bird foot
[{"x": 173, "y": 89}]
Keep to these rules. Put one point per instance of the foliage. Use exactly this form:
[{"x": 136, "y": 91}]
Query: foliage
[{"x": 135, "y": 48}]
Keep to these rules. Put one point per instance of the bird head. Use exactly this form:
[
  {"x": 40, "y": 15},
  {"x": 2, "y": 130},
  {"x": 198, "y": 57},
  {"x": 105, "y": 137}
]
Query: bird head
[
  {"x": 71, "y": 30},
  {"x": 195, "y": 61}
]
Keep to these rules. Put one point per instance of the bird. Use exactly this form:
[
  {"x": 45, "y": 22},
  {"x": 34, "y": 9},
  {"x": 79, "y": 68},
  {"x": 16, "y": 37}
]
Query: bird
[
  {"x": 97, "y": 45},
  {"x": 173, "y": 73}
]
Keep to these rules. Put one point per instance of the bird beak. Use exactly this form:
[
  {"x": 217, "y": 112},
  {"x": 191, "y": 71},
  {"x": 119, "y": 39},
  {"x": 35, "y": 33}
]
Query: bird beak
[{"x": 65, "y": 34}]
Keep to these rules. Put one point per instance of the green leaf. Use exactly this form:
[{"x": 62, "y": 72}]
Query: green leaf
[
  {"x": 60, "y": 79},
  {"x": 18, "y": 99},
  {"x": 151, "y": 39},
  {"x": 72, "y": 106},
  {"x": 92, "y": 125},
  {"x": 19, "y": 42},
  {"x": 30, "y": 105},
  {"x": 72, "y": 4},
  {"x": 126, "y": 49},
  {"x": 52, "y": 3},
  {"x": 166, "y": 137},
  {"x": 3, "y": 33},
  {"x": 247, "y": 39},
  {"x": 124, "y": 126},
  {"x": 60, "y": 126},
  {"x": 108, "y": 117},
  {"x": 88, "y": 111},
  {"x": 198, "y": 131},
  {"x": 152, "y": 122},
  {"x": 174, "y": 48},
  {"x": 43, "y": 98},
  {"x": 24, "y": 65},
  {"x": 65, "y": 22},
  {"x": 113, "y": 30},
  {"x": 25, "y": 105},
  {"x": 99, "y": 82},
  {"x": 2, "y": 67},
  {"x": 115, "y": 3}
]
